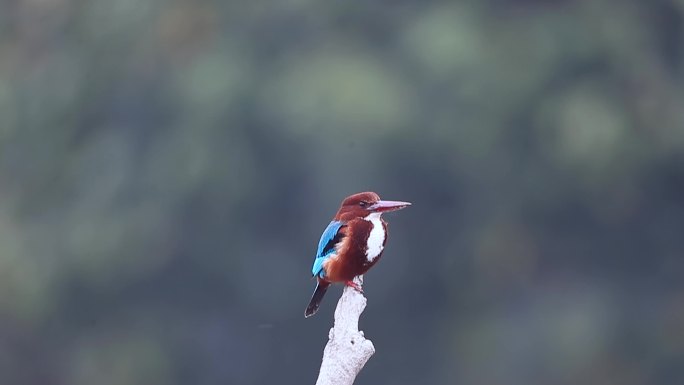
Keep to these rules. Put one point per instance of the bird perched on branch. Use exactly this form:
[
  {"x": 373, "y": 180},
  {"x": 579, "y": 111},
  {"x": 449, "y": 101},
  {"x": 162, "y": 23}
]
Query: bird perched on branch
[{"x": 351, "y": 244}]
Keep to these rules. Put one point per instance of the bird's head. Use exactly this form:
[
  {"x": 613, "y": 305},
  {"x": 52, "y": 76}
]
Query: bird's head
[{"x": 362, "y": 204}]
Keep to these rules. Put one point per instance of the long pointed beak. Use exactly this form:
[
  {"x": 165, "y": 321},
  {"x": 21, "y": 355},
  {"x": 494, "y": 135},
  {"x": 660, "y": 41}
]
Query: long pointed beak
[{"x": 385, "y": 206}]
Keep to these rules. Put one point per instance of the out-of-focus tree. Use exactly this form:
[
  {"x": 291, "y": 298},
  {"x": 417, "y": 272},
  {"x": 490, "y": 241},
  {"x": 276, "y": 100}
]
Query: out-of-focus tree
[{"x": 166, "y": 166}]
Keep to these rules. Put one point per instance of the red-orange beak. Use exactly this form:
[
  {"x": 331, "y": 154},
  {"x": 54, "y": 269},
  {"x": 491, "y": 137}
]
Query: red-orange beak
[{"x": 385, "y": 206}]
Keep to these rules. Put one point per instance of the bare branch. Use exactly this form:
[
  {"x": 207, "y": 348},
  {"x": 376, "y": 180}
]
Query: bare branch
[{"x": 347, "y": 350}]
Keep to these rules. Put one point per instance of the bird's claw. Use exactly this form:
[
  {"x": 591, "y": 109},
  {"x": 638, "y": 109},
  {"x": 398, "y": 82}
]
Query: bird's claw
[{"x": 355, "y": 285}]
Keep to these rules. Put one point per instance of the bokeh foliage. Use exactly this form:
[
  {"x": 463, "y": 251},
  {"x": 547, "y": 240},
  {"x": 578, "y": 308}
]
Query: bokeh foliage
[{"x": 166, "y": 168}]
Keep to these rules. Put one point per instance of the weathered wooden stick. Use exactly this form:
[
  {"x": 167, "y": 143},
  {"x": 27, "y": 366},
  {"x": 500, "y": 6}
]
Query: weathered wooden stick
[{"x": 347, "y": 350}]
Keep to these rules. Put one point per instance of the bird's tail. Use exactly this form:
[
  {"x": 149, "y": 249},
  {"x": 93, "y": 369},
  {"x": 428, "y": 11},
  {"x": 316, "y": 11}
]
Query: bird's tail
[{"x": 316, "y": 298}]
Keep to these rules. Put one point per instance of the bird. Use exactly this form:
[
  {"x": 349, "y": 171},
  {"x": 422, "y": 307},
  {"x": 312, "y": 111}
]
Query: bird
[{"x": 352, "y": 243}]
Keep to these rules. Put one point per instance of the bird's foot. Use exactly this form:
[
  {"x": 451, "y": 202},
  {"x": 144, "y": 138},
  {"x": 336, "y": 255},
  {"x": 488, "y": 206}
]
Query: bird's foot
[{"x": 355, "y": 285}]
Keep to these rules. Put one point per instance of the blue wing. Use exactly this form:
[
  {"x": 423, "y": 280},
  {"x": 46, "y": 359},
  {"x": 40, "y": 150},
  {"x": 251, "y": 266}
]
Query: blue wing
[{"x": 326, "y": 246}]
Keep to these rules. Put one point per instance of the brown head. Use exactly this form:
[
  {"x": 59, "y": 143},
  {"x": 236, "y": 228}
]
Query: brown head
[{"x": 362, "y": 204}]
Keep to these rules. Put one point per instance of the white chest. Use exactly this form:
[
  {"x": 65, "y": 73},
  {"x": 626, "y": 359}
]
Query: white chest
[{"x": 376, "y": 239}]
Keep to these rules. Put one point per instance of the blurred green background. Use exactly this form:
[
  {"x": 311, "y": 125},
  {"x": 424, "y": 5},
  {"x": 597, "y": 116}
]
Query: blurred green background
[{"x": 167, "y": 167}]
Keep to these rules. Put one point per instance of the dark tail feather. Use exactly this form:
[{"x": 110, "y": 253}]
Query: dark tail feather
[{"x": 316, "y": 298}]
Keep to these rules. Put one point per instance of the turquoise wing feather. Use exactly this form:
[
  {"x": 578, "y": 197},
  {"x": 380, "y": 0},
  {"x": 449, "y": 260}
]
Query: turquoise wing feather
[{"x": 326, "y": 246}]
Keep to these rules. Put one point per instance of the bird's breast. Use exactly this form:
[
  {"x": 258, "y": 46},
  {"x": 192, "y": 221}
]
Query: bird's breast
[
  {"x": 359, "y": 249},
  {"x": 376, "y": 238}
]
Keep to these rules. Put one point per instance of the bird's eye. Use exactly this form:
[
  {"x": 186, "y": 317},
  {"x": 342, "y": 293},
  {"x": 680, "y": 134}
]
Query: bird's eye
[{"x": 363, "y": 203}]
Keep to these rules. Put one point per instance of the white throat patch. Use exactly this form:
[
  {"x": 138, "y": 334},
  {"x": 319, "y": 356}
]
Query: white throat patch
[{"x": 376, "y": 238}]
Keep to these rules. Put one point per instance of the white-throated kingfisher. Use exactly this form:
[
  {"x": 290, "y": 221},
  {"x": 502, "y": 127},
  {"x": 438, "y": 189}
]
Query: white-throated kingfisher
[{"x": 351, "y": 244}]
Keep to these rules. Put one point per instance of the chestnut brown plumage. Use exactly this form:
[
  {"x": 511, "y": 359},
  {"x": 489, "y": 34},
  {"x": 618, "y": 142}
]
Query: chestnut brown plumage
[{"x": 351, "y": 244}]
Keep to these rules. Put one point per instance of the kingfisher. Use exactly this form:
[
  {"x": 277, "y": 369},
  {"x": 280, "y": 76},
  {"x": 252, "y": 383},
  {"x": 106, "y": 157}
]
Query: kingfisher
[{"x": 351, "y": 244}]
